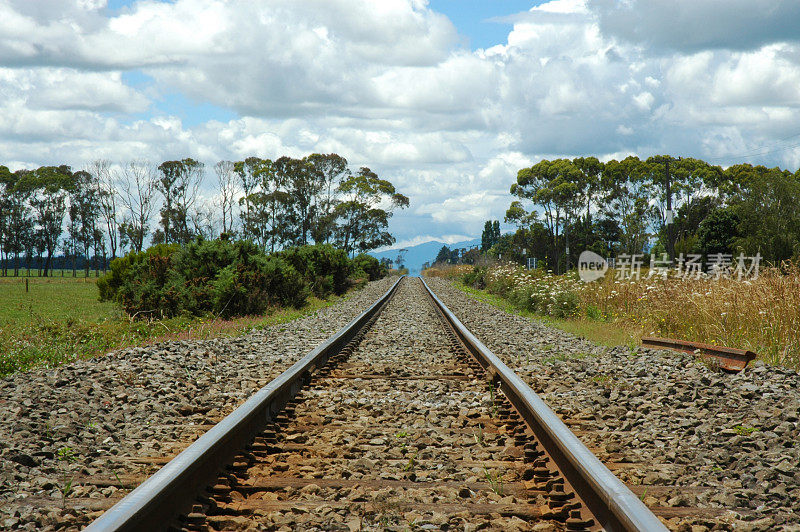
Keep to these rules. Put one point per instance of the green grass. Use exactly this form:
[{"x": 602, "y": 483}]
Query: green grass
[
  {"x": 594, "y": 330},
  {"x": 52, "y": 298},
  {"x": 60, "y": 320}
]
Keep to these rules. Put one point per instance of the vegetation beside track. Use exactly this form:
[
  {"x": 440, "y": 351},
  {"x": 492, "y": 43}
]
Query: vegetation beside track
[
  {"x": 761, "y": 314},
  {"x": 56, "y": 323},
  {"x": 57, "y": 320}
]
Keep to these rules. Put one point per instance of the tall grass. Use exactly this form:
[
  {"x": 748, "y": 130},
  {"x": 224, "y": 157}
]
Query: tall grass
[
  {"x": 448, "y": 271},
  {"x": 761, "y": 314}
]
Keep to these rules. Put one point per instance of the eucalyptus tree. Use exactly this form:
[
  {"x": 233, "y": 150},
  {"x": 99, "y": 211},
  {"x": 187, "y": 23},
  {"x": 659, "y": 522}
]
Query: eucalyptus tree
[
  {"x": 249, "y": 179},
  {"x": 766, "y": 201},
  {"x": 51, "y": 186},
  {"x": 269, "y": 218},
  {"x": 6, "y": 184},
  {"x": 302, "y": 186},
  {"x": 138, "y": 186},
  {"x": 107, "y": 197},
  {"x": 178, "y": 184},
  {"x": 70, "y": 244},
  {"x": 203, "y": 220},
  {"x": 627, "y": 196},
  {"x": 19, "y": 224},
  {"x": 84, "y": 212},
  {"x": 554, "y": 186},
  {"x": 256, "y": 177},
  {"x": 226, "y": 193},
  {"x": 589, "y": 182},
  {"x": 689, "y": 181},
  {"x": 364, "y": 223},
  {"x": 329, "y": 170}
]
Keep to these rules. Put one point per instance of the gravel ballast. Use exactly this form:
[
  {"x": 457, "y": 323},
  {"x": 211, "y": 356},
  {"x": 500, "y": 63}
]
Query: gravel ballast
[
  {"x": 121, "y": 415},
  {"x": 722, "y": 447},
  {"x": 728, "y": 443},
  {"x": 399, "y": 436}
]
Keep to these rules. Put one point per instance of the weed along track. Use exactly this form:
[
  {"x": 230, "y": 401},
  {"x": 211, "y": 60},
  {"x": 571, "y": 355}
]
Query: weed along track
[{"x": 399, "y": 423}]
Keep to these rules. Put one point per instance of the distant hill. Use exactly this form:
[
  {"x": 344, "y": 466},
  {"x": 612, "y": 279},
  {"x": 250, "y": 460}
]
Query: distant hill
[{"x": 417, "y": 255}]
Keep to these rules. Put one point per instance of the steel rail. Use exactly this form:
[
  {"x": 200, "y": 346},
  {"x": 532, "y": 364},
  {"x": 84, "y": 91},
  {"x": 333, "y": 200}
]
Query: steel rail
[
  {"x": 610, "y": 502},
  {"x": 171, "y": 491},
  {"x": 727, "y": 358}
]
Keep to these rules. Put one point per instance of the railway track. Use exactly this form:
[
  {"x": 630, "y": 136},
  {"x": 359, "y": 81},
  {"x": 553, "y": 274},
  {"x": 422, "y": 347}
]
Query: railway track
[{"x": 402, "y": 419}]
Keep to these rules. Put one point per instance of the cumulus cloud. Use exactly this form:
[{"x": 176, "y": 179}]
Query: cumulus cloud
[
  {"x": 387, "y": 85},
  {"x": 700, "y": 25},
  {"x": 68, "y": 89}
]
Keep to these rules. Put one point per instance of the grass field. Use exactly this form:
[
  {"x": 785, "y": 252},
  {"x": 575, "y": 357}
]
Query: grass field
[
  {"x": 52, "y": 298},
  {"x": 59, "y": 320}
]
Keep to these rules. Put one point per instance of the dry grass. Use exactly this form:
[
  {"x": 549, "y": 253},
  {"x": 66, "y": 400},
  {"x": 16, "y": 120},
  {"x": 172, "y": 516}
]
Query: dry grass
[
  {"x": 762, "y": 314},
  {"x": 448, "y": 271}
]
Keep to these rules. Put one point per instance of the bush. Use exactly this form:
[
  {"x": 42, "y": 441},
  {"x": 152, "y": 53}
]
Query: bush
[
  {"x": 370, "y": 266},
  {"x": 565, "y": 305},
  {"x": 137, "y": 280},
  {"x": 534, "y": 291},
  {"x": 476, "y": 278},
  {"x": 197, "y": 265},
  {"x": 324, "y": 267},
  {"x": 524, "y": 298},
  {"x": 228, "y": 279},
  {"x": 224, "y": 278},
  {"x": 500, "y": 285},
  {"x": 242, "y": 289}
]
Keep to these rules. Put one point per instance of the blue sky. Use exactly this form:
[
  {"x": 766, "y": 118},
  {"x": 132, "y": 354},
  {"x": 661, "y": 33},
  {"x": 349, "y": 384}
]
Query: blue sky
[{"x": 473, "y": 18}]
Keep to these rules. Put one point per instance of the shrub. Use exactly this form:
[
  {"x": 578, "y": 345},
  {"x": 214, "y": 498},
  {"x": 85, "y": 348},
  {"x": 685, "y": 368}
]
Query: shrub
[
  {"x": 371, "y": 266},
  {"x": 524, "y": 298},
  {"x": 325, "y": 268},
  {"x": 249, "y": 288},
  {"x": 224, "y": 278},
  {"x": 565, "y": 305},
  {"x": 196, "y": 266},
  {"x": 534, "y": 291},
  {"x": 137, "y": 280},
  {"x": 476, "y": 278},
  {"x": 501, "y": 283}
]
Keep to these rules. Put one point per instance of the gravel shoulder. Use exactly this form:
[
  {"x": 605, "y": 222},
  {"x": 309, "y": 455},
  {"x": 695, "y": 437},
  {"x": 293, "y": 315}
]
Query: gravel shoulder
[
  {"x": 726, "y": 443},
  {"x": 121, "y": 414}
]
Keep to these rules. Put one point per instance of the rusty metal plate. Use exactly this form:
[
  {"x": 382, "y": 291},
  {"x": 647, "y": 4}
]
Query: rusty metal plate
[{"x": 726, "y": 358}]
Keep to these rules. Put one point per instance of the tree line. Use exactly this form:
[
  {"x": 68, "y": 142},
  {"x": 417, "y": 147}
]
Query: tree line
[
  {"x": 106, "y": 210},
  {"x": 566, "y": 206}
]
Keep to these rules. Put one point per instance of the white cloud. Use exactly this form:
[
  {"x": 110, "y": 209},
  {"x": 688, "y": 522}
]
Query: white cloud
[
  {"x": 469, "y": 209},
  {"x": 386, "y": 85},
  {"x": 702, "y": 24},
  {"x": 69, "y": 89},
  {"x": 644, "y": 100}
]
